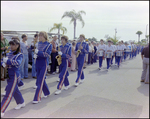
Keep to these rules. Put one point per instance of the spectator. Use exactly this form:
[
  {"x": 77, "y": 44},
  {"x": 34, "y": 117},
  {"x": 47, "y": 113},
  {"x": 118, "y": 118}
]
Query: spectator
[
  {"x": 73, "y": 55},
  {"x": 4, "y": 45},
  {"x": 34, "y": 45},
  {"x": 24, "y": 49},
  {"x": 145, "y": 58},
  {"x": 53, "y": 55}
]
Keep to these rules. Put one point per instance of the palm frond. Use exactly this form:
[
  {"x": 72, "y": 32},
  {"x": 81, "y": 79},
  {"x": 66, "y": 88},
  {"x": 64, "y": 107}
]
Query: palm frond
[
  {"x": 81, "y": 20},
  {"x": 72, "y": 20},
  {"x": 63, "y": 29},
  {"x": 67, "y": 14},
  {"x": 82, "y": 12},
  {"x": 53, "y": 28}
]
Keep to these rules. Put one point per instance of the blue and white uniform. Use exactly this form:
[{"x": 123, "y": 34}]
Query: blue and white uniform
[
  {"x": 102, "y": 47},
  {"x": 43, "y": 54},
  {"x": 114, "y": 49},
  {"x": 123, "y": 47},
  {"x": 108, "y": 60},
  {"x": 66, "y": 54},
  {"x": 81, "y": 59},
  {"x": 120, "y": 48},
  {"x": 13, "y": 63}
]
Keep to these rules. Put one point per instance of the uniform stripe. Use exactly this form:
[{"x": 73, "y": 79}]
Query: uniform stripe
[
  {"x": 60, "y": 86},
  {"x": 47, "y": 47},
  {"x": 81, "y": 72},
  {"x": 10, "y": 94},
  {"x": 40, "y": 91}
]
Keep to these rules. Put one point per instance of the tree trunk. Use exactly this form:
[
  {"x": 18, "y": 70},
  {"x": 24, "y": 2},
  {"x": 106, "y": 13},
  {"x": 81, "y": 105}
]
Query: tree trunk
[
  {"x": 75, "y": 28},
  {"x": 59, "y": 35}
]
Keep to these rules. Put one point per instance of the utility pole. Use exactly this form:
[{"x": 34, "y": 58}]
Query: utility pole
[{"x": 115, "y": 32}]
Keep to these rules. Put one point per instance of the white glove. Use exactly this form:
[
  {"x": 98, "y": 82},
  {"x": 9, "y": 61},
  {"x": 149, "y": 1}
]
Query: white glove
[
  {"x": 36, "y": 51},
  {"x": 60, "y": 53},
  {"x": 5, "y": 59},
  {"x": 4, "y": 65},
  {"x": 35, "y": 56}
]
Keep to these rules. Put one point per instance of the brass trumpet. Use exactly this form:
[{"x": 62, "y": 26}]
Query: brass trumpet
[{"x": 58, "y": 57}]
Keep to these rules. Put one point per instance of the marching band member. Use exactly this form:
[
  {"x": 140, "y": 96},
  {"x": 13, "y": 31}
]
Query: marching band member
[
  {"x": 101, "y": 47},
  {"x": 123, "y": 46},
  {"x": 133, "y": 48},
  {"x": 125, "y": 51},
  {"x": 119, "y": 48},
  {"x": 41, "y": 55},
  {"x": 113, "y": 54},
  {"x": 13, "y": 61},
  {"x": 109, "y": 49},
  {"x": 130, "y": 48},
  {"x": 95, "y": 55},
  {"x": 84, "y": 48},
  {"x": 65, "y": 53}
]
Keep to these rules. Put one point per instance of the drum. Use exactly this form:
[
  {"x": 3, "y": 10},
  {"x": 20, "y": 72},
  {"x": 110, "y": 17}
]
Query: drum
[
  {"x": 119, "y": 53},
  {"x": 100, "y": 53},
  {"x": 108, "y": 54}
]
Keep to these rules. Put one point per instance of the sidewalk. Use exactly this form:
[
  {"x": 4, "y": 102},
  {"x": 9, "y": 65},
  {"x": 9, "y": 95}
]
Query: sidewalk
[{"x": 117, "y": 93}]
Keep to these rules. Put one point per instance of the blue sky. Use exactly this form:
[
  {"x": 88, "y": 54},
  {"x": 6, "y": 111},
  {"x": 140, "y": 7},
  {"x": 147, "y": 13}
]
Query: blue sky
[{"x": 102, "y": 17}]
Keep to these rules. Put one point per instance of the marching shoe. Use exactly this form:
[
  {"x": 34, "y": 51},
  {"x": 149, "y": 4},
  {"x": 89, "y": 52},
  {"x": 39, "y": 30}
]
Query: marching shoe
[
  {"x": 67, "y": 87},
  {"x": 76, "y": 84},
  {"x": 99, "y": 68},
  {"x": 35, "y": 102},
  {"x": 21, "y": 87},
  {"x": 45, "y": 96},
  {"x": 82, "y": 80},
  {"x": 58, "y": 80},
  {"x": 20, "y": 106},
  {"x": 115, "y": 64},
  {"x": 57, "y": 92},
  {"x": 3, "y": 94},
  {"x": 2, "y": 114},
  {"x": 35, "y": 87},
  {"x": 146, "y": 82},
  {"x": 53, "y": 73}
]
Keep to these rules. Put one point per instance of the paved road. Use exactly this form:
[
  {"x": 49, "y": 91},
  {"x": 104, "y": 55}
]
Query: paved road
[{"x": 117, "y": 93}]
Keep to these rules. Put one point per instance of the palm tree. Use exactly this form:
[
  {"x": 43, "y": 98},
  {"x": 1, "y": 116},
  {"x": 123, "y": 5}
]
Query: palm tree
[
  {"x": 139, "y": 33},
  {"x": 59, "y": 27},
  {"x": 114, "y": 39},
  {"x": 74, "y": 17}
]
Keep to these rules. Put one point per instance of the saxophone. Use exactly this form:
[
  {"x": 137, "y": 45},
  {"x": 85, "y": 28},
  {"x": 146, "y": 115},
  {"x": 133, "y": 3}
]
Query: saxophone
[
  {"x": 79, "y": 51},
  {"x": 58, "y": 57}
]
